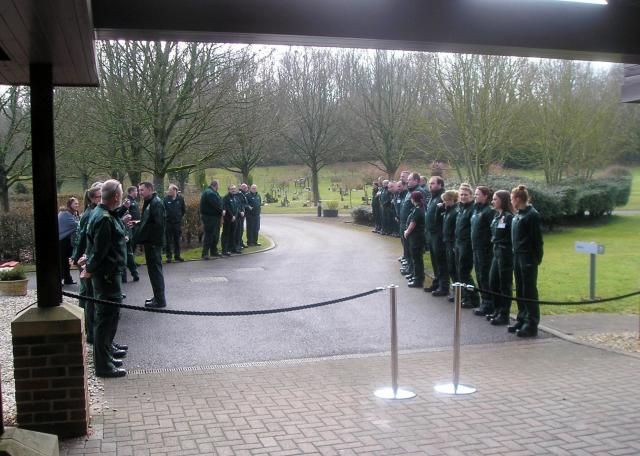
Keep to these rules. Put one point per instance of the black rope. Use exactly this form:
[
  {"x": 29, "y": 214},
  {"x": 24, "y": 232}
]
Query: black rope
[
  {"x": 223, "y": 314},
  {"x": 552, "y": 303}
]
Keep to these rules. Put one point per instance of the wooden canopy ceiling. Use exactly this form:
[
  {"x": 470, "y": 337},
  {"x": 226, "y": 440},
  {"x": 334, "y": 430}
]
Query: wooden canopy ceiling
[{"x": 62, "y": 32}]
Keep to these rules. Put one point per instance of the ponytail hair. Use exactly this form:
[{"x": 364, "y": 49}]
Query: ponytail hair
[{"x": 520, "y": 192}]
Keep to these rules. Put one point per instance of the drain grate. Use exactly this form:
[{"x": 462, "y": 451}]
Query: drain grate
[{"x": 211, "y": 279}]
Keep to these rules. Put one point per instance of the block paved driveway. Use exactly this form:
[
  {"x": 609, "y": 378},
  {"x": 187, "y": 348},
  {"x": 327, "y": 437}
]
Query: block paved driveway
[
  {"x": 545, "y": 397},
  {"x": 313, "y": 261}
]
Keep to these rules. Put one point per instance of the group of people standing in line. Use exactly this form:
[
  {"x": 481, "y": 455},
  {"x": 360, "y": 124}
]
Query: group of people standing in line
[
  {"x": 496, "y": 234},
  {"x": 102, "y": 241}
]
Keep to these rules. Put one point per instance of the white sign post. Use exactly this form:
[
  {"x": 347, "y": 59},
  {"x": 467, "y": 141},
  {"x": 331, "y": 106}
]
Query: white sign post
[{"x": 592, "y": 249}]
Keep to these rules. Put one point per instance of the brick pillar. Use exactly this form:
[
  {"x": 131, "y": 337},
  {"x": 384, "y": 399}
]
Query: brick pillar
[{"x": 50, "y": 370}]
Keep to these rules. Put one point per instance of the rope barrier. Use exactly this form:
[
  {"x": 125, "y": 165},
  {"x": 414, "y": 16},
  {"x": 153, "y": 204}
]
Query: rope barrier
[
  {"x": 223, "y": 314},
  {"x": 552, "y": 303}
]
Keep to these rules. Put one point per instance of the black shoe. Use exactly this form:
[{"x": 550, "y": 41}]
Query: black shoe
[
  {"x": 205, "y": 258},
  {"x": 136, "y": 278},
  {"x": 236, "y": 251},
  {"x": 148, "y": 300},
  {"x": 116, "y": 362},
  {"x": 257, "y": 244},
  {"x": 527, "y": 332},
  {"x": 451, "y": 299},
  {"x": 513, "y": 328},
  {"x": 492, "y": 316},
  {"x": 113, "y": 373},
  {"x": 226, "y": 254},
  {"x": 467, "y": 305},
  {"x": 439, "y": 292},
  {"x": 480, "y": 312},
  {"x": 216, "y": 254},
  {"x": 155, "y": 305},
  {"x": 180, "y": 259},
  {"x": 120, "y": 346},
  {"x": 69, "y": 282},
  {"x": 430, "y": 289},
  {"x": 405, "y": 272},
  {"x": 415, "y": 284},
  {"x": 500, "y": 321},
  {"x": 124, "y": 296},
  {"x": 118, "y": 354},
  {"x": 169, "y": 260},
  {"x": 410, "y": 277}
]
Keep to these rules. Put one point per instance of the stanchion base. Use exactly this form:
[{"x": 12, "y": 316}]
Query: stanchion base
[
  {"x": 400, "y": 393},
  {"x": 450, "y": 388}
]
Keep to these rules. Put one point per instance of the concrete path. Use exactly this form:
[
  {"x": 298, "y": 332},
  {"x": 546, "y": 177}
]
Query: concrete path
[
  {"x": 542, "y": 397},
  {"x": 314, "y": 260}
]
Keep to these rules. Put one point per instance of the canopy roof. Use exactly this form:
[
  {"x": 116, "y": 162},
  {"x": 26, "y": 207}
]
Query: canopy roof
[{"x": 62, "y": 32}]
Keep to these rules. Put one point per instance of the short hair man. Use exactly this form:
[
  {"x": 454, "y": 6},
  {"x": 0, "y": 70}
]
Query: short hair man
[
  {"x": 243, "y": 207},
  {"x": 175, "y": 209},
  {"x": 229, "y": 215},
  {"x": 254, "y": 203},
  {"x": 434, "y": 218},
  {"x": 104, "y": 261},
  {"x": 150, "y": 233},
  {"x": 210, "y": 214}
]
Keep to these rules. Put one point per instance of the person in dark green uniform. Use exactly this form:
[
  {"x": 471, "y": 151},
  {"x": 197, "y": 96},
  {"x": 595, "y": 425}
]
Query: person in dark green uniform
[
  {"x": 254, "y": 203},
  {"x": 210, "y": 214},
  {"x": 150, "y": 233},
  {"x": 375, "y": 208},
  {"x": 434, "y": 218},
  {"x": 449, "y": 218},
  {"x": 229, "y": 214},
  {"x": 481, "y": 243},
  {"x": 526, "y": 237},
  {"x": 130, "y": 205},
  {"x": 414, "y": 234},
  {"x": 104, "y": 261},
  {"x": 241, "y": 202},
  {"x": 463, "y": 249},
  {"x": 385, "y": 208},
  {"x": 85, "y": 288},
  {"x": 501, "y": 272},
  {"x": 405, "y": 209},
  {"x": 174, "y": 208}
]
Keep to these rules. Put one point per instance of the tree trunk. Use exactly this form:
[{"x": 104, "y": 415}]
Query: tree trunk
[
  {"x": 4, "y": 193},
  {"x": 84, "y": 179},
  {"x": 315, "y": 186},
  {"x": 158, "y": 183},
  {"x": 59, "y": 183},
  {"x": 135, "y": 177}
]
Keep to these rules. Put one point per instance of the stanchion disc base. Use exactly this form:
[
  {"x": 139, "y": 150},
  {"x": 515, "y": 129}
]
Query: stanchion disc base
[
  {"x": 450, "y": 388},
  {"x": 400, "y": 393}
]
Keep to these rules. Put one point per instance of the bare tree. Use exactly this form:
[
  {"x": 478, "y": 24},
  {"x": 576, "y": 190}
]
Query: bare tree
[
  {"x": 15, "y": 140},
  {"x": 308, "y": 88}
]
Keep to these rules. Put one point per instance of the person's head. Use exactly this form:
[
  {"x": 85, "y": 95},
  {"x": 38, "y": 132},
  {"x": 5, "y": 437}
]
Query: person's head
[
  {"x": 423, "y": 181},
  {"x": 215, "y": 184},
  {"x": 519, "y": 197},
  {"x": 254, "y": 188},
  {"x": 483, "y": 194},
  {"x": 435, "y": 184},
  {"x": 413, "y": 179},
  {"x": 244, "y": 187},
  {"x": 94, "y": 194},
  {"x": 385, "y": 183},
  {"x": 172, "y": 191},
  {"x": 376, "y": 184},
  {"x": 417, "y": 198},
  {"x": 72, "y": 205},
  {"x": 402, "y": 185},
  {"x": 392, "y": 186},
  {"x": 465, "y": 194},
  {"x": 111, "y": 194},
  {"x": 132, "y": 191},
  {"x": 449, "y": 198},
  {"x": 404, "y": 176},
  {"x": 232, "y": 189},
  {"x": 501, "y": 201},
  {"x": 146, "y": 190}
]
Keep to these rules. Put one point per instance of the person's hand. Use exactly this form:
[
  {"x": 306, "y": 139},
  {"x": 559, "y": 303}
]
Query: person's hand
[
  {"x": 233, "y": 219},
  {"x": 70, "y": 261},
  {"x": 406, "y": 234},
  {"x": 126, "y": 239},
  {"x": 224, "y": 213},
  {"x": 82, "y": 260},
  {"x": 84, "y": 274},
  {"x": 241, "y": 214},
  {"x": 127, "y": 220},
  {"x": 127, "y": 203}
]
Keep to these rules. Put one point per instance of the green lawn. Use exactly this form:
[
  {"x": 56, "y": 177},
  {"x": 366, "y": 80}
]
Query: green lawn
[{"x": 634, "y": 200}]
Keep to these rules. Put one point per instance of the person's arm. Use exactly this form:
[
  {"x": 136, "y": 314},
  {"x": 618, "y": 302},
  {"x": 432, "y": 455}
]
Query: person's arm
[
  {"x": 409, "y": 229},
  {"x": 101, "y": 242},
  {"x": 536, "y": 237}
]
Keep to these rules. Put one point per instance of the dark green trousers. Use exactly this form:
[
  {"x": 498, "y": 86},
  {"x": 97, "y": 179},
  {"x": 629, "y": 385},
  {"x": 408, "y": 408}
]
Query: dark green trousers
[
  {"x": 228, "y": 230},
  {"x": 106, "y": 287},
  {"x": 501, "y": 280},
  {"x": 482, "y": 265},
  {"x": 450, "y": 255},
  {"x": 438, "y": 261},
  {"x": 464, "y": 266},
  {"x": 416, "y": 249},
  {"x": 153, "y": 255},
  {"x": 85, "y": 288},
  {"x": 525, "y": 269},
  {"x": 211, "y": 237},
  {"x": 253, "y": 228},
  {"x": 173, "y": 231},
  {"x": 131, "y": 263}
]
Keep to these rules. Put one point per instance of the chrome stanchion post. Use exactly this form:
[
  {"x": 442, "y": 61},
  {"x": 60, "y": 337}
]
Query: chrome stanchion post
[
  {"x": 394, "y": 392},
  {"x": 455, "y": 387}
]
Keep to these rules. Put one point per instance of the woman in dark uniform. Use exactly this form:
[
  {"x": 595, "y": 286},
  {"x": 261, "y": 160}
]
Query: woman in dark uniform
[
  {"x": 415, "y": 235},
  {"x": 526, "y": 236},
  {"x": 450, "y": 216},
  {"x": 501, "y": 272},
  {"x": 481, "y": 243}
]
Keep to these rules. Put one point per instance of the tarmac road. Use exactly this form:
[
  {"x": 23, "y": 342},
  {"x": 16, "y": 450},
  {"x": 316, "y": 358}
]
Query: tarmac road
[{"x": 313, "y": 261}]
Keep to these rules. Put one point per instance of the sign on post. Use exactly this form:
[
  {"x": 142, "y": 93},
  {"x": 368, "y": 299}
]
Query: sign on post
[{"x": 592, "y": 249}]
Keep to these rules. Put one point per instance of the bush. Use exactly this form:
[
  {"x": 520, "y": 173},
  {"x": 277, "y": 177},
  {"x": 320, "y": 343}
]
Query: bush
[
  {"x": 362, "y": 215},
  {"x": 21, "y": 189},
  {"x": 332, "y": 205},
  {"x": 17, "y": 241},
  {"x": 15, "y": 273}
]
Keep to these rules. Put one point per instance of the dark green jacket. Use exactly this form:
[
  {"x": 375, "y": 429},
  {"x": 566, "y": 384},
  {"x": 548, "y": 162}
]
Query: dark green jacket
[
  {"x": 255, "y": 203},
  {"x": 106, "y": 244},
  {"x": 151, "y": 227},
  {"x": 134, "y": 208},
  {"x": 501, "y": 230},
  {"x": 174, "y": 208},
  {"x": 241, "y": 202},
  {"x": 463, "y": 224},
  {"x": 481, "y": 226},
  {"x": 406, "y": 208},
  {"x": 80, "y": 239},
  {"x": 398, "y": 201},
  {"x": 416, "y": 237},
  {"x": 230, "y": 206},
  {"x": 526, "y": 233},
  {"x": 385, "y": 198},
  {"x": 210, "y": 203},
  {"x": 449, "y": 220},
  {"x": 434, "y": 212}
]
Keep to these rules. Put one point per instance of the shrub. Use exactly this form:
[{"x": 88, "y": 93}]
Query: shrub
[
  {"x": 21, "y": 189},
  {"x": 332, "y": 205},
  {"x": 15, "y": 273},
  {"x": 362, "y": 215},
  {"x": 17, "y": 241}
]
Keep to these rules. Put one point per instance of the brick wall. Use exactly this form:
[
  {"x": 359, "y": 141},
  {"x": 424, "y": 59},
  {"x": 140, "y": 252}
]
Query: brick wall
[{"x": 51, "y": 378}]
